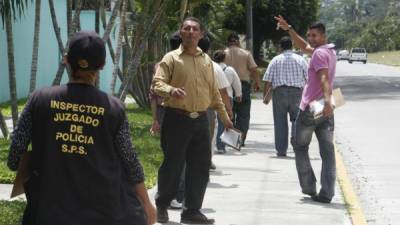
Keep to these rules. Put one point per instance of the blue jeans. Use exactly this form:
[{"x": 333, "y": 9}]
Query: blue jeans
[
  {"x": 285, "y": 101},
  {"x": 305, "y": 126}
]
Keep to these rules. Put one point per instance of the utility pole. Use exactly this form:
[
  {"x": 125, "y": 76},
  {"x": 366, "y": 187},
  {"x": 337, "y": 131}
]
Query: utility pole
[{"x": 249, "y": 25}]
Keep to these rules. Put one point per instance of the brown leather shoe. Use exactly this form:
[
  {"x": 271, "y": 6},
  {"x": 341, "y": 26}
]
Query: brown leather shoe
[{"x": 195, "y": 217}]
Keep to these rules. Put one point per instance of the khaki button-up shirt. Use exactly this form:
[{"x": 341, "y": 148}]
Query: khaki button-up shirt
[
  {"x": 193, "y": 73},
  {"x": 241, "y": 60}
]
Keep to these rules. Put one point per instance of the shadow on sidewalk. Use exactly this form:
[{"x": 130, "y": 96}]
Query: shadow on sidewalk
[
  {"x": 220, "y": 186},
  {"x": 332, "y": 205}
]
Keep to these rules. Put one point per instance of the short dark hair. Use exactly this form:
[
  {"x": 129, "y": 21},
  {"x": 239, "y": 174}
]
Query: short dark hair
[
  {"x": 233, "y": 37},
  {"x": 194, "y": 19},
  {"x": 175, "y": 40},
  {"x": 219, "y": 56},
  {"x": 318, "y": 26},
  {"x": 286, "y": 43},
  {"x": 205, "y": 43}
]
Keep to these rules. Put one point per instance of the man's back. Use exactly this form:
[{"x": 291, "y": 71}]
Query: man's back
[
  {"x": 80, "y": 176},
  {"x": 241, "y": 60},
  {"x": 287, "y": 69}
]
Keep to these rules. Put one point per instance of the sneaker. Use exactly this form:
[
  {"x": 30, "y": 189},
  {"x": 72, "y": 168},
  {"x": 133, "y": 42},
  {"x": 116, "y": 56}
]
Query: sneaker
[
  {"x": 281, "y": 154},
  {"x": 195, "y": 217},
  {"x": 175, "y": 204},
  {"x": 213, "y": 166},
  {"x": 162, "y": 215}
]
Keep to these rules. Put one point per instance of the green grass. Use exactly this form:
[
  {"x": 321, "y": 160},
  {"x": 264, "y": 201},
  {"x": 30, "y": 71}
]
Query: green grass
[
  {"x": 11, "y": 212},
  {"x": 388, "y": 58},
  {"x": 6, "y": 176},
  {"x": 147, "y": 146},
  {"x": 6, "y": 107}
]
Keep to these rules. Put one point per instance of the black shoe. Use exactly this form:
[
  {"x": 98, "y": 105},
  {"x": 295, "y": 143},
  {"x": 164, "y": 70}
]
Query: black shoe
[
  {"x": 311, "y": 194},
  {"x": 321, "y": 199},
  {"x": 195, "y": 217},
  {"x": 281, "y": 154},
  {"x": 213, "y": 166},
  {"x": 162, "y": 215}
]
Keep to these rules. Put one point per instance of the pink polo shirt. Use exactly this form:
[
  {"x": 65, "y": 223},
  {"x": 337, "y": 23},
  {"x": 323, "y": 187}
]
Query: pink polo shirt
[{"x": 323, "y": 57}]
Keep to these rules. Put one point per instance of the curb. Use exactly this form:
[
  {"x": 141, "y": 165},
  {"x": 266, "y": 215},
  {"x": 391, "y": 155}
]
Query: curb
[{"x": 350, "y": 197}]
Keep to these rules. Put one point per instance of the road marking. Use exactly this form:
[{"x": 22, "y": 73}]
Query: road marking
[{"x": 350, "y": 197}]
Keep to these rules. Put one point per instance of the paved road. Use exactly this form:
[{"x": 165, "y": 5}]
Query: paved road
[{"x": 367, "y": 133}]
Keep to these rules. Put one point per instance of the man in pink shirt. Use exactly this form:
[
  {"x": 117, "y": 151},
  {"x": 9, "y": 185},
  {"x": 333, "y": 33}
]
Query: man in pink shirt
[{"x": 319, "y": 85}]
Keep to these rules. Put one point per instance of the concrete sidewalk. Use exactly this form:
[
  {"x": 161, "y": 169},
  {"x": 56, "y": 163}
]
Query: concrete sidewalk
[{"x": 254, "y": 187}]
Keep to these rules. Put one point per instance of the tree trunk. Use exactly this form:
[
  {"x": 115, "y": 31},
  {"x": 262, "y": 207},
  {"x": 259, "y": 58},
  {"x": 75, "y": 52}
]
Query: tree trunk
[
  {"x": 3, "y": 125},
  {"x": 75, "y": 23},
  {"x": 35, "y": 50},
  {"x": 111, "y": 21},
  {"x": 11, "y": 70},
  {"x": 119, "y": 46},
  {"x": 109, "y": 43},
  {"x": 69, "y": 17},
  {"x": 139, "y": 48}
]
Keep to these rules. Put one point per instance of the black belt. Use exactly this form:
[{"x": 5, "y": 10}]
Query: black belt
[
  {"x": 192, "y": 115},
  {"x": 285, "y": 86}
]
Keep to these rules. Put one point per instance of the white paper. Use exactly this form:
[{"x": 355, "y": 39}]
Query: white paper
[
  {"x": 317, "y": 106},
  {"x": 232, "y": 138}
]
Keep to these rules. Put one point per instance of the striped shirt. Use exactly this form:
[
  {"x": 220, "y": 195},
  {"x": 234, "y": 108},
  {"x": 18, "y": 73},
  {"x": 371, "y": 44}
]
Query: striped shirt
[{"x": 287, "y": 69}]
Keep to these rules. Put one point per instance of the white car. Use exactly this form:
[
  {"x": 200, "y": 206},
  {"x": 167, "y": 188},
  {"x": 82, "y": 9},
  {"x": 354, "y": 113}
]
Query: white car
[
  {"x": 358, "y": 54},
  {"x": 343, "y": 55}
]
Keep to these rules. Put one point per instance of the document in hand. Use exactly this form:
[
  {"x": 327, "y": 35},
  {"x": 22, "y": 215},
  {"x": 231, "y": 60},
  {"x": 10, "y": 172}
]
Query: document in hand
[
  {"x": 233, "y": 138},
  {"x": 317, "y": 106}
]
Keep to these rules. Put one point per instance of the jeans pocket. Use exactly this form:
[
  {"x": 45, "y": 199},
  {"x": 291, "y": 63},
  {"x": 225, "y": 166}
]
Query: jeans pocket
[{"x": 307, "y": 118}]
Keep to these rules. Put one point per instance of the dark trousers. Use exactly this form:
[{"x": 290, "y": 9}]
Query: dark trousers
[
  {"x": 323, "y": 128},
  {"x": 286, "y": 101},
  {"x": 184, "y": 140},
  {"x": 181, "y": 190},
  {"x": 241, "y": 110}
]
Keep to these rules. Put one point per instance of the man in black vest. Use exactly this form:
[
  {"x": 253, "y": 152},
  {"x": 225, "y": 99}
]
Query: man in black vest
[{"x": 84, "y": 169}]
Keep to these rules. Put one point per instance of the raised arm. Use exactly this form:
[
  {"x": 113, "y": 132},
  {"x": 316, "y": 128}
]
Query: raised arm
[{"x": 297, "y": 39}]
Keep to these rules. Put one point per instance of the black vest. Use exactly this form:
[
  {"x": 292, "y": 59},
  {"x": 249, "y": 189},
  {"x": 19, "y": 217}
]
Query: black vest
[{"x": 77, "y": 175}]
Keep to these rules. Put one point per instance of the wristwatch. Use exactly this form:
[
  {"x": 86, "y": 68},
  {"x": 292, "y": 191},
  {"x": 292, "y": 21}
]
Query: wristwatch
[{"x": 290, "y": 27}]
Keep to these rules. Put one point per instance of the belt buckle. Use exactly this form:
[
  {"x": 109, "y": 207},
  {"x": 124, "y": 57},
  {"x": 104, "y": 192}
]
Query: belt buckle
[{"x": 194, "y": 115}]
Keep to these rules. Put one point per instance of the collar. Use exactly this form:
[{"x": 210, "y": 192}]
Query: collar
[
  {"x": 180, "y": 51},
  {"x": 327, "y": 46},
  {"x": 287, "y": 52},
  {"x": 223, "y": 65}
]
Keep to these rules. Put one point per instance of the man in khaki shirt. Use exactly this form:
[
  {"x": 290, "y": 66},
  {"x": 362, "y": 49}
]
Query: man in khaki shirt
[
  {"x": 186, "y": 80},
  {"x": 243, "y": 62}
]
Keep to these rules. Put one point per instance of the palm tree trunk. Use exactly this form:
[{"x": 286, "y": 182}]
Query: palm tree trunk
[
  {"x": 3, "y": 125},
  {"x": 109, "y": 43},
  {"x": 137, "y": 52},
  {"x": 119, "y": 46},
  {"x": 35, "y": 50},
  {"x": 75, "y": 23},
  {"x": 69, "y": 17},
  {"x": 11, "y": 70},
  {"x": 111, "y": 21}
]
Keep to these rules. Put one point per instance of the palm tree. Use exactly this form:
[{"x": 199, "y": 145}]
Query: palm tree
[
  {"x": 3, "y": 125},
  {"x": 35, "y": 50},
  {"x": 9, "y": 10},
  {"x": 147, "y": 26},
  {"x": 119, "y": 46},
  {"x": 11, "y": 69}
]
